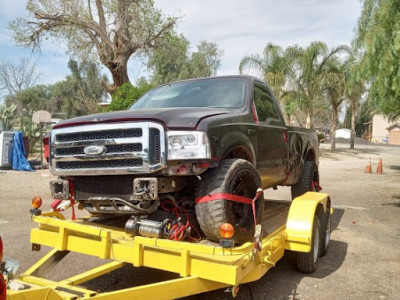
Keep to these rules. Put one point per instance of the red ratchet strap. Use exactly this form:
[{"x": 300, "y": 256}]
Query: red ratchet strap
[
  {"x": 234, "y": 198},
  {"x": 72, "y": 198},
  {"x": 315, "y": 186},
  {"x": 223, "y": 196}
]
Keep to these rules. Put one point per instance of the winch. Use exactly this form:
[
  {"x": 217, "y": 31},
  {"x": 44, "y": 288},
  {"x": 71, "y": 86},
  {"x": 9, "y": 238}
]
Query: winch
[{"x": 148, "y": 228}]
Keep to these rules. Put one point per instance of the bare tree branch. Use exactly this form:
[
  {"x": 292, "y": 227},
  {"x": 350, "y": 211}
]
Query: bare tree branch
[
  {"x": 100, "y": 12},
  {"x": 15, "y": 77},
  {"x": 149, "y": 42},
  {"x": 90, "y": 10}
]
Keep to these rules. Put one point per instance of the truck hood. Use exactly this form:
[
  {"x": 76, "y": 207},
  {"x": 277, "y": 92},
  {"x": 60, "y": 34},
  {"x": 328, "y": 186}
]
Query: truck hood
[{"x": 175, "y": 118}]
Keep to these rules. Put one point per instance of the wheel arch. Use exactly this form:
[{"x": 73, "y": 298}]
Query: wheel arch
[
  {"x": 300, "y": 220},
  {"x": 236, "y": 145},
  {"x": 311, "y": 155},
  {"x": 241, "y": 152}
]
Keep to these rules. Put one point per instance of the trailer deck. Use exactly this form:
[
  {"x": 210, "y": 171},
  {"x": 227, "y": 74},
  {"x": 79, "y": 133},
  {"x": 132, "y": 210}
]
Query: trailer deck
[{"x": 201, "y": 266}]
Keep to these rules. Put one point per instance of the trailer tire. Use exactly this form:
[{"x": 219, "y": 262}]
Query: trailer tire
[
  {"x": 306, "y": 182},
  {"x": 232, "y": 176},
  {"x": 325, "y": 219},
  {"x": 308, "y": 262}
]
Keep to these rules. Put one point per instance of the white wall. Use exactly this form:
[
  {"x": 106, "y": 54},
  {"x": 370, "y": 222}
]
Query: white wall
[
  {"x": 343, "y": 133},
  {"x": 379, "y": 131}
]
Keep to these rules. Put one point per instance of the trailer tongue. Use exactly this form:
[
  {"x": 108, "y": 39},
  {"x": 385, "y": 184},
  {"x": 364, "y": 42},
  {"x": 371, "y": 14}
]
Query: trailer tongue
[{"x": 301, "y": 226}]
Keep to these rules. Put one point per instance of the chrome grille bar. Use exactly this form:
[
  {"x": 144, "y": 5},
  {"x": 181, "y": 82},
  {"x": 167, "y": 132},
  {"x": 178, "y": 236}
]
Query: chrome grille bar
[
  {"x": 123, "y": 148},
  {"x": 99, "y": 135}
]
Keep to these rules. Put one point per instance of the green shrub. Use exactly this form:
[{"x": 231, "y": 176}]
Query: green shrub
[
  {"x": 321, "y": 137},
  {"x": 126, "y": 95}
]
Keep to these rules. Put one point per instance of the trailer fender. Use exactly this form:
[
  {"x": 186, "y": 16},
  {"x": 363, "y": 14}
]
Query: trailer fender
[{"x": 300, "y": 220}]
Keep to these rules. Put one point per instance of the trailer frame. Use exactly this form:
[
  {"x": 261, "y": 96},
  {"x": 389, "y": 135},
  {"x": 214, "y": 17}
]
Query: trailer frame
[{"x": 201, "y": 267}]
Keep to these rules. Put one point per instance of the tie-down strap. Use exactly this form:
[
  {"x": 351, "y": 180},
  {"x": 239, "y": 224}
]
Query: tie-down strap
[
  {"x": 234, "y": 198},
  {"x": 224, "y": 196}
]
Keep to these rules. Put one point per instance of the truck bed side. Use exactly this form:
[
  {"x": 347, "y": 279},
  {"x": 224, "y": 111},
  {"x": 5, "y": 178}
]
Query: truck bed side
[{"x": 303, "y": 146}]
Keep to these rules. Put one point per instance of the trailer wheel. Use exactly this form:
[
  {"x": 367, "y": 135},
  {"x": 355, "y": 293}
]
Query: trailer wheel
[
  {"x": 325, "y": 219},
  {"x": 308, "y": 262},
  {"x": 307, "y": 180},
  {"x": 232, "y": 176}
]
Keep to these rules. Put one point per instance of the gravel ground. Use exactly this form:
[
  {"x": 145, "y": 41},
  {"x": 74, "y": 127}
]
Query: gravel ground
[{"x": 362, "y": 262}]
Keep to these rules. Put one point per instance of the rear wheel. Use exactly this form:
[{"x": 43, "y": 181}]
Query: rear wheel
[
  {"x": 308, "y": 262},
  {"x": 232, "y": 176},
  {"x": 325, "y": 219},
  {"x": 309, "y": 180}
]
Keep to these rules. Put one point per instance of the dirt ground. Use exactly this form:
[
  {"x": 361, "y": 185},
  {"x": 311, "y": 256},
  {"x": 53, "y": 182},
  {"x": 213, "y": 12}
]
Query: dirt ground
[{"x": 363, "y": 261}]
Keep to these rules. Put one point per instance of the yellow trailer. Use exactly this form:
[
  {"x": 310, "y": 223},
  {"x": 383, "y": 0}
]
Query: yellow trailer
[{"x": 302, "y": 225}]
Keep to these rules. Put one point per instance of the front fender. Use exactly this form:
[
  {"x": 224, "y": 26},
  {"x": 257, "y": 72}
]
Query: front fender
[{"x": 234, "y": 140}]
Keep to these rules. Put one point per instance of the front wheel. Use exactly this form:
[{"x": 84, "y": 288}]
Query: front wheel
[{"x": 232, "y": 176}]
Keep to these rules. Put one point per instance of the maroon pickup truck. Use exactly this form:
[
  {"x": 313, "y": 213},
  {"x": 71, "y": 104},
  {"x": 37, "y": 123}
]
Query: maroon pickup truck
[{"x": 217, "y": 137}]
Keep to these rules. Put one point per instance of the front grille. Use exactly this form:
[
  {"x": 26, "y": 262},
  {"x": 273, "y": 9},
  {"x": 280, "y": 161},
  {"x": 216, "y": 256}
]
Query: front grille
[
  {"x": 73, "y": 151},
  {"x": 99, "y": 135},
  {"x": 122, "y": 148},
  {"x": 99, "y": 164},
  {"x": 154, "y": 146}
]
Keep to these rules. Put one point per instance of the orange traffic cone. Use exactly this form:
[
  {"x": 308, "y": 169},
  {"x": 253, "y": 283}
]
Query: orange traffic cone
[
  {"x": 368, "y": 168},
  {"x": 379, "y": 170}
]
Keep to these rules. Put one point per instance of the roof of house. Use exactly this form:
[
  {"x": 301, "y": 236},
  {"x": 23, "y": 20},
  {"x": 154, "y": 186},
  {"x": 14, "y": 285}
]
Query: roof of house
[{"x": 393, "y": 126}]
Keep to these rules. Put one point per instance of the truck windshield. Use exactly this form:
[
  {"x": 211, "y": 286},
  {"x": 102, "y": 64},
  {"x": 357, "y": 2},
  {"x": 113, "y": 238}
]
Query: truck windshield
[{"x": 210, "y": 92}]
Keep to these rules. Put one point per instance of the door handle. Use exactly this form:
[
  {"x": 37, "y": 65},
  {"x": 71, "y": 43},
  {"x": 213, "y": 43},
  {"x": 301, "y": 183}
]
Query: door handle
[{"x": 251, "y": 131}]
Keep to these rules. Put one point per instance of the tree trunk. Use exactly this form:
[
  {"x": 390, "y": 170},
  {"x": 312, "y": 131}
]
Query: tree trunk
[
  {"x": 310, "y": 111},
  {"x": 309, "y": 121},
  {"x": 286, "y": 117},
  {"x": 353, "y": 125},
  {"x": 289, "y": 120},
  {"x": 119, "y": 71},
  {"x": 334, "y": 121}
]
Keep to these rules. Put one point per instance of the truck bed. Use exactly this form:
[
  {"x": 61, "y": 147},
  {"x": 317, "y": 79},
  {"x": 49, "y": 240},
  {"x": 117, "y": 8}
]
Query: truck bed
[{"x": 275, "y": 215}]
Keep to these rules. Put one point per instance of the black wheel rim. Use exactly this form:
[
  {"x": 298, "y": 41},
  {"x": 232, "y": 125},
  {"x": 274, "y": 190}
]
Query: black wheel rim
[
  {"x": 242, "y": 214},
  {"x": 316, "y": 245},
  {"x": 328, "y": 232}
]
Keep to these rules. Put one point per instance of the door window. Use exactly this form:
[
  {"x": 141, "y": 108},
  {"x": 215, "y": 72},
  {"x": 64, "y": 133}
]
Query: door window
[{"x": 265, "y": 105}]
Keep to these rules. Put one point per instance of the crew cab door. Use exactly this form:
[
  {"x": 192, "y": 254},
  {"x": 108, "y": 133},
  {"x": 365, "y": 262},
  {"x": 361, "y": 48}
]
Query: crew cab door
[{"x": 272, "y": 146}]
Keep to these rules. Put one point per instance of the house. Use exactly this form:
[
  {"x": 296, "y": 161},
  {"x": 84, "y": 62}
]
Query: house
[
  {"x": 394, "y": 134},
  {"x": 380, "y": 129}
]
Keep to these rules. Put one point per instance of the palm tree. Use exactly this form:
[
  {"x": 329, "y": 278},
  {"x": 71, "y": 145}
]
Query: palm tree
[
  {"x": 355, "y": 88},
  {"x": 309, "y": 70},
  {"x": 274, "y": 66},
  {"x": 333, "y": 85}
]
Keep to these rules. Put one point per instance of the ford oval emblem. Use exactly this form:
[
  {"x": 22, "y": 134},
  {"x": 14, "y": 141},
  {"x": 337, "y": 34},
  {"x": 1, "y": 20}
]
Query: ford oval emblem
[{"x": 94, "y": 150}]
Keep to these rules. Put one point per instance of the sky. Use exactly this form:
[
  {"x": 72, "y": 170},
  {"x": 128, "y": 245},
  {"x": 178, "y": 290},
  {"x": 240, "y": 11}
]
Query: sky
[{"x": 238, "y": 27}]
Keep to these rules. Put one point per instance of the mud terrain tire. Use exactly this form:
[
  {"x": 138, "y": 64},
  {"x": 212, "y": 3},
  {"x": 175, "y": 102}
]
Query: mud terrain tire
[
  {"x": 306, "y": 183},
  {"x": 232, "y": 176}
]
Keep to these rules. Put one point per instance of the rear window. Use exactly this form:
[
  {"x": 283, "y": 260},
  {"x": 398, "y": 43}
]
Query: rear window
[{"x": 210, "y": 92}]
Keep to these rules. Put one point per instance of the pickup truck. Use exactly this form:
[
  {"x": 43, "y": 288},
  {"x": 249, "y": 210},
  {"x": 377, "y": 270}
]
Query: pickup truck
[{"x": 219, "y": 137}]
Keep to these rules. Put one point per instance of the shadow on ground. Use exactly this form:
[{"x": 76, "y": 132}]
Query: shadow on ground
[
  {"x": 354, "y": 153},
  {"x": 393, "y": 167}
]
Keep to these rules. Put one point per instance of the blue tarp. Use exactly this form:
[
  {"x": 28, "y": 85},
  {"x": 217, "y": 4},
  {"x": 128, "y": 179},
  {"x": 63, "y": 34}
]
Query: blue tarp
[{"x": 18, "y": 159}]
